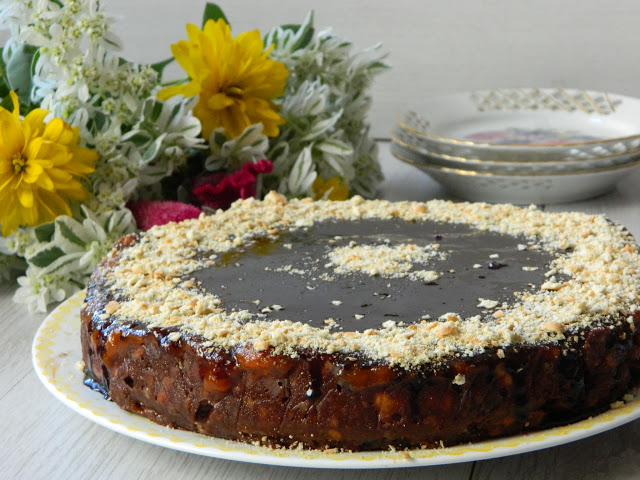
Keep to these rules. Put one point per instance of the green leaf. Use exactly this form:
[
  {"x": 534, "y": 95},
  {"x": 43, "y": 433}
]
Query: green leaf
[
  {"x": 213, "y": 12},
  {"x": 4, "y": 84},
  {"x": 44, "y": 232},
  {"x": 6, "y": 102},
  {"x": 175, "y": 111},
  {"x": 178, "y": 81},
  {"x": 138, "y": 137},
  {"x": 219, "y": 137},
  {"x": 155, "y": 172},
  {"x": 335, "y": 147},
  {"x": 305, "y": 38},
  {"x": 294, "y": 37},
  {"x": 99, "y": 120},
  {"x": 19, "y": 71},
  {"x": 91, "y": 225},
  {"x": 34, "y": 62},
  {"x": 153, "y": 149},
  {"x": 302, "y": 174},
  {"x": 378, "y": 65},
  {"x": 160, "y": 66},
  {"x": 11, "y": 263},
  {"x": 46, "y": 256},
  {"x": 120, "y": 222},
  {"x": 156, "y": 111},
  {"x": 252, "y": 137},
  {"x": 66, "y": 230},
  {"x": 65, "y": 264},
  {"x": 322, "y": 126},
  {"x": 280, "y": 151}
]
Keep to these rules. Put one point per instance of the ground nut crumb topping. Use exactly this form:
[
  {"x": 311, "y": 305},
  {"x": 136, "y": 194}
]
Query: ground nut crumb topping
[
  {"x": 595, "y": 278},
  {"x": 385, "y": 261}
]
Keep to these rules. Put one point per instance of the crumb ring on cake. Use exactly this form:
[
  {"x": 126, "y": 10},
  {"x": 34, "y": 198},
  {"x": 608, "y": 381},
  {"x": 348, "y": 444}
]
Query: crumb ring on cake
[{"x": 159, "y": 343}]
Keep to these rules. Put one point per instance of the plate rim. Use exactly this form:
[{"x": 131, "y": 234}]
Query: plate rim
[
  {"x": 635, "y": 152},
  {"x": 479, "y": 173},
  {"x": 505, "y": 146},
  {"x": 62, "y": 316}
]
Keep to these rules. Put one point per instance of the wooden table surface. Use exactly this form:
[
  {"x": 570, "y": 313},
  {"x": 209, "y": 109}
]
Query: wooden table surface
[{"x": 40, "y": 438}]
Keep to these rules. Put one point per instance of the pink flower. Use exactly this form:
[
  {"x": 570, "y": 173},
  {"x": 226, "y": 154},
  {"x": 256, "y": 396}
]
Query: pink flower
[
  {"x": 220, "y": 190},
  {"x": 149, "y": 213}
]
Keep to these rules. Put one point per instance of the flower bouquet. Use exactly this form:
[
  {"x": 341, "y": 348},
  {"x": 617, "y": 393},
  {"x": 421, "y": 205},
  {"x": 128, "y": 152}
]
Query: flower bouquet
[{"x": 93, "y": 146}]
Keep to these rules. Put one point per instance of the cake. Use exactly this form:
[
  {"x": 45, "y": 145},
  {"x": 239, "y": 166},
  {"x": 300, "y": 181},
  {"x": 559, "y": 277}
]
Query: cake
[{"x": 366, "y": 325}]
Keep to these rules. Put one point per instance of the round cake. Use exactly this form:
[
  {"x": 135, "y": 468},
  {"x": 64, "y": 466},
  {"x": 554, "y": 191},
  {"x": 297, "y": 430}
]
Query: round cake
[{"x": 365, "y": 325}]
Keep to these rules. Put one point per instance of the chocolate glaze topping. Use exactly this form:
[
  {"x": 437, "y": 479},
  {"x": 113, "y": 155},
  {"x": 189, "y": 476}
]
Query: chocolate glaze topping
[
  {"x": 165, "y": 346},
  {"x": 292, "y": 277}
]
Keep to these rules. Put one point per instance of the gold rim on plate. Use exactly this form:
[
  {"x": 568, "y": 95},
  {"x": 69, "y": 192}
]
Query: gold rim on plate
[
  {"x": 444, "y": 156},
  {"x": 441, "y": 138},
  {"x": 476, "y": 173}
]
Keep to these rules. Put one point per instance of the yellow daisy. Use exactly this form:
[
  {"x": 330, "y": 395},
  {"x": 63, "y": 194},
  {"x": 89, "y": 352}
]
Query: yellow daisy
[
  {"x": 41, "y": 168},
  {"x": 336, "y": 188},
  {"x": 235, "y": 79}
]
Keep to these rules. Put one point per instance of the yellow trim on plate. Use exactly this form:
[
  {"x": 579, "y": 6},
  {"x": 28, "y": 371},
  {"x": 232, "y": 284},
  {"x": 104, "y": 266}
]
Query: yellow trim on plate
[{"x": 55, "y": 363}]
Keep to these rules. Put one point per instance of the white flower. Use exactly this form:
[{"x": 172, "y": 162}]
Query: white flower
[
  {"x": 62, "y": 265},
  {"x": 325, "y": 108},
  {"x": 38, "y": 289},
  {"x": 310, "y": 98},
  {"x": 164, "y": 137},
  {"x": 21, "y": 242},
  {"x": 300, "y": 179},
  {"x": 79, "y": 76}
]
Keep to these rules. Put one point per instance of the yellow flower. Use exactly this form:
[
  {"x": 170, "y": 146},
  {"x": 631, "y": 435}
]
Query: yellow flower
[
  {"x": 41, "y": 168},
  {"x": 234, "y": 78},
  {"x": 335, "y": 186}
]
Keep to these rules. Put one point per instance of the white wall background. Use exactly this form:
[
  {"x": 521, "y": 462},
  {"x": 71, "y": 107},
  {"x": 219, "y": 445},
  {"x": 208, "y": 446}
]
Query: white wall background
[{"x": 435, "y": 47}]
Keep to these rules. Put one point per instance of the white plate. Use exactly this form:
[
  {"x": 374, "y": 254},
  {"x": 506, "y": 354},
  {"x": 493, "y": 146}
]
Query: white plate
[
  {"x": 530, "y": 123},
  {"x": 411, "y": 141},
  {"x": 56, "y": 353},
  {"x": 518, "y": 188}
]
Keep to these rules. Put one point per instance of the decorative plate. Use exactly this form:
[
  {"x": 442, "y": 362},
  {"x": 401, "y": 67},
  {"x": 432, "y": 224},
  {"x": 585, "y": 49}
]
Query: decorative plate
[
  {"x": 518, "y": 188},
  {"x": 536, "y": 123},
  {"x": 57, "y": 353},
  {"x": 411, "y": 141}
]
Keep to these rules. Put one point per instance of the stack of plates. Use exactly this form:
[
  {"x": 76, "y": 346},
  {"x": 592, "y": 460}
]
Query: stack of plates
[{"x": 526, "y": 145}]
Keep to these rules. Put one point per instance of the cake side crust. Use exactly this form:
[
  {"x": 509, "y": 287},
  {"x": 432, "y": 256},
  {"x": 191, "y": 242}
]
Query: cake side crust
[
  {"x": 595, "y": 275},
  {"x": 198, "y": 367},
  {"x": 335, "y": 401}
]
